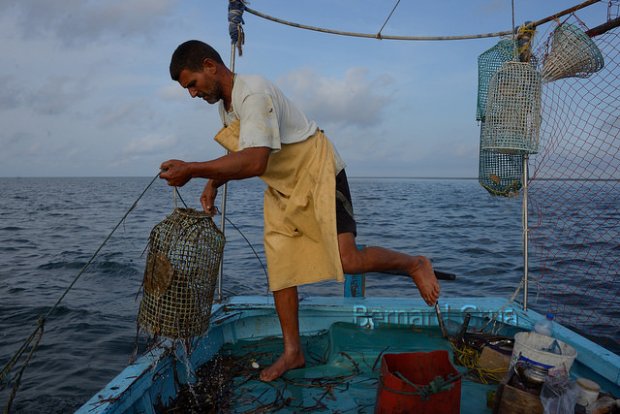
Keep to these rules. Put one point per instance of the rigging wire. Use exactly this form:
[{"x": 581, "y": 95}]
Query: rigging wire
[
  {"x": 379, "y": 36},
  {"x": 370, "y": 35},
  {"x": 242, "y": 235},
  {"x": 388, "y": 18},
  {"x": 38, "y": 332}
]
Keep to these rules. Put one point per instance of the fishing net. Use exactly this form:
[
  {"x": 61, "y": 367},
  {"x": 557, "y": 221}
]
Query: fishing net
[
  {"x": 572, "y": 54},
  {"x": 512, "y": 115},
  {"x": 185, "y": 251},
  {"x": 489, "y": 62},
  {"x": 500, "y": 174},
  {"x": 574, "y": 182},
  {"x": 574, "y": 197}
]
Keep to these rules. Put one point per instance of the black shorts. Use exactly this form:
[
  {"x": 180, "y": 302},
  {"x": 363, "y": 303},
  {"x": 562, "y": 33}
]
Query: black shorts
[{"x": 345, "y": 221}]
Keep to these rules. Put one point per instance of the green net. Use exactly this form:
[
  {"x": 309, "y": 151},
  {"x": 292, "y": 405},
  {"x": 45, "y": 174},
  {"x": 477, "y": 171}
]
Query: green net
[
  {"x": 513, "y": 112},
  {"x": 185, "y": 252},
  {"x": 489, "y": 62},
  {"x": 500, "y": 174}
]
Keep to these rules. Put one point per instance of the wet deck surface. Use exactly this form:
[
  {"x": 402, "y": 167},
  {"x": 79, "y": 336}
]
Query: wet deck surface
[{"x": 341, "y": 374}]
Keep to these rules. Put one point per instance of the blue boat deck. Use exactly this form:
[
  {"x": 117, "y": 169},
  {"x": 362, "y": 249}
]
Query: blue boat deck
[
  {"x": 341, "y": 374},
  {"x": 344, "y": 336}
]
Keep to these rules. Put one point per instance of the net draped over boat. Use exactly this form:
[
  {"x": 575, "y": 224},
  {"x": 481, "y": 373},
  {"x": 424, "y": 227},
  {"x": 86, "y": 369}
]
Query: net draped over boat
[
  {"x": 574, "y": 192},
  {"x": 574, "y": 178},
  {"x": 185, "y": 252}
]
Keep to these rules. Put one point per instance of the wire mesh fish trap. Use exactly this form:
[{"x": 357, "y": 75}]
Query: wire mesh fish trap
[
  {"x": 500, "y": 174},
  {"x": 512, "y": 115},
  {"x": 489, "y": 62},
  {"x": 185, "y": 252},
  {"x": 573, "y": 54}
]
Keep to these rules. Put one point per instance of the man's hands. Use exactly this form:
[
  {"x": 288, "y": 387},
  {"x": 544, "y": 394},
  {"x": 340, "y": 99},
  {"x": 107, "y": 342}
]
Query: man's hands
[
  {"x": 207, "y": 199},
  {"x": 176, "y": 172},
  {"x": 249, "y": 162}
]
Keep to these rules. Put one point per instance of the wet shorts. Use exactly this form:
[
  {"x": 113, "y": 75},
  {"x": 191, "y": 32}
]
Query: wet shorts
[{"x": 345, "y": 221}]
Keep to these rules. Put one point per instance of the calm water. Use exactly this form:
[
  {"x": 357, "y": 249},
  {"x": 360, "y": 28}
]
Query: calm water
[{"x": 50, "y": 227}]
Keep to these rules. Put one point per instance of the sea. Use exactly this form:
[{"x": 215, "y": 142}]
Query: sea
[{"x": 50, "y": 228}]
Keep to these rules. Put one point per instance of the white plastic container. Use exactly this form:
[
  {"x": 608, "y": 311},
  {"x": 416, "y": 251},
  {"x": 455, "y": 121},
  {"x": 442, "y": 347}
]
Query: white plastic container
[
  {"x": 529, "y": 347},
  {"x": 588, "y": 392},
  {"x": 545, "y": 326}
]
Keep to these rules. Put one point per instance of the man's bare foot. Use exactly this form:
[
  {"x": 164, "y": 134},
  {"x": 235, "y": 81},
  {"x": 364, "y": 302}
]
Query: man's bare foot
[
  {"x": 424, "y": 277},
  {"x": 286, "y": 362}
]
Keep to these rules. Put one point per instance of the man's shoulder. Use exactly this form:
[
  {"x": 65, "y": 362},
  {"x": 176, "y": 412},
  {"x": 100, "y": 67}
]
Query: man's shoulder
[
  {"x": 251, "y": 84},
  {"x": 253, "y": 78}
]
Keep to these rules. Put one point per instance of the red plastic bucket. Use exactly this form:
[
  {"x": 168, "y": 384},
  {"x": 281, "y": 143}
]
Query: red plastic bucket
[{"x": 395, "y": 395}]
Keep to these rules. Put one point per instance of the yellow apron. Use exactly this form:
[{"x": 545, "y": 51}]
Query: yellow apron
[{"x": 301, "y": 243}]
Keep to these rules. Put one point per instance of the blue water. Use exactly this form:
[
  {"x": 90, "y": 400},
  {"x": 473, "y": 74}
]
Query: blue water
[{"x": 50, "y": 227}]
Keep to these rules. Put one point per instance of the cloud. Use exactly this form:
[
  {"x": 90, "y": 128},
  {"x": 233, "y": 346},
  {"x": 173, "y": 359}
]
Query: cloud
[
  {"x": 55, "y": 96},
  {"x": 173, "y": 92},
  {"x": 354, "y": 100},
  {"x": 9, "y": 94},
  {"x": 12, "y": 143},
  {"x": 150, "y": 144},
  {"x": 129, "y": 114},
  {"x": 78, "y": 21}
]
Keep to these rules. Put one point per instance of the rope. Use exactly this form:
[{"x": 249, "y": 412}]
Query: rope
[
  {"x": 493, "y": 318},
  {"x": 235, "y": 23},
  {"x": 18, "y": 379},
  {"x": 514, "y": 37},
  {"x": 38, "y": 332},
  {"x": 435, "y": 386},
  {"x": 469, "y": 358}
]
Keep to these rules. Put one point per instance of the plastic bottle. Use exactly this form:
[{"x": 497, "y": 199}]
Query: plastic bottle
[{"x": 545, "y": 326}]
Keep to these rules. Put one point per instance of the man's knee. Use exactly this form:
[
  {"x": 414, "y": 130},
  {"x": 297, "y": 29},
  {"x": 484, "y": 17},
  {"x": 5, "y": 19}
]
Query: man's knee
[
  {"x": 350, "y": 264},
  {"x": 350, "y": 259}
]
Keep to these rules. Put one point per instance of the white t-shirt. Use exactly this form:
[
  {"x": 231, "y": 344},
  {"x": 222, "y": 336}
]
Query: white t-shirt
[{"x": 268, "y": 118}]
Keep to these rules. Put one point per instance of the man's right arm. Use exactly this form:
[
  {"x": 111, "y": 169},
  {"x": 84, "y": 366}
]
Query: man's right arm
[{"x": 249, "y": 162}]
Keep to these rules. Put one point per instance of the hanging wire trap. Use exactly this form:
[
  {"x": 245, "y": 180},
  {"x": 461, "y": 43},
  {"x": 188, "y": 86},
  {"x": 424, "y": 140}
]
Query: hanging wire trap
[
  {"x": 185, "y": 252},
  {"x": 573, "y": 54},
  {"x": 513, "y": 111},
  {"x": 500, "y": 174},
  {"x": 489, "y": 62}
]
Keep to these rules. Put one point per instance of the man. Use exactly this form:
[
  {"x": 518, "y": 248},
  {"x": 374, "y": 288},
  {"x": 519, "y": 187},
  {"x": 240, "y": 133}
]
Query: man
[{"x": 306, "y": 238}]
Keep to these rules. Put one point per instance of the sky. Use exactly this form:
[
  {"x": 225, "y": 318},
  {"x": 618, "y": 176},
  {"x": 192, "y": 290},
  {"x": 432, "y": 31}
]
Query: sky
[{"x": 85, "y": 88}]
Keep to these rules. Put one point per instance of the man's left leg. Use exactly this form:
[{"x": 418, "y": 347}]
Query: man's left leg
[
  {"x": 379, "y": 259},
  {"x": 287, "y": 306}
]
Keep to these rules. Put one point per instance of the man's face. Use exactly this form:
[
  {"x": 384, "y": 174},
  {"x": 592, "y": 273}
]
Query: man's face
[{"x": 201, "y": 84}]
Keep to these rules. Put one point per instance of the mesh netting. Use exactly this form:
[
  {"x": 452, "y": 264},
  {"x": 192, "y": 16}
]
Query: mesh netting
[
  {"x": 572, "y": 54},
  {"x": 575, "y": 197},
  {"x": 512, "y": 115},
  {"x": 500, "y": 174},
  {"x": 185, "y": 251},
  {"x": 489, "y": 62}
]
